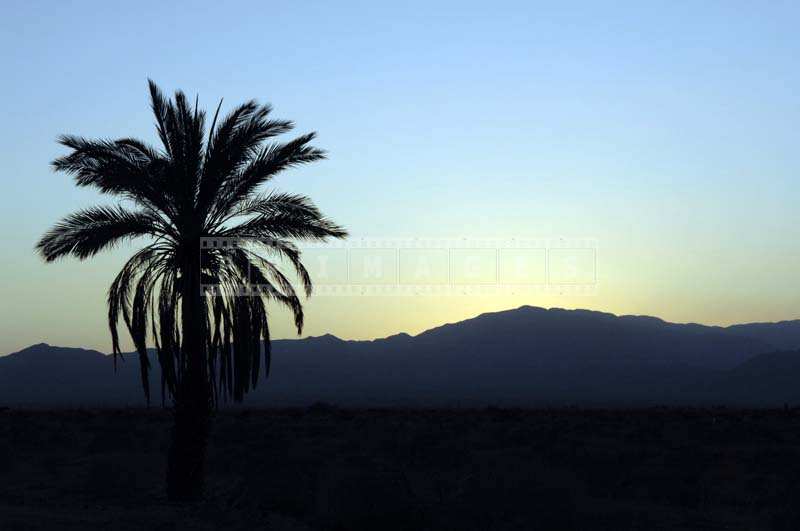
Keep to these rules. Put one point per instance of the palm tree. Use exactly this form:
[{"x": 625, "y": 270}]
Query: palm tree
[{"x": 191, "y": 188}]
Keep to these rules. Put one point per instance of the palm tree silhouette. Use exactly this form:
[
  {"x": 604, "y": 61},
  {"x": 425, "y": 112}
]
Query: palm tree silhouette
[{"x": 195, "y": 187}]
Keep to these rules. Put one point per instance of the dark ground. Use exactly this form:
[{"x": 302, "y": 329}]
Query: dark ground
[{"x": 323, "y": 468}]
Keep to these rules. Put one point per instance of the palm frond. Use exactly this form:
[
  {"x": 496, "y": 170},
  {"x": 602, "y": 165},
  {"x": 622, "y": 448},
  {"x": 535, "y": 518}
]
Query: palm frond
[
  {"x": 87, "y": 232},
  {"x": 126, "y": 168},
  {"x": 286, "y": 225},
  {"x": 234, "y": 144},
  {"x": 272, "y": 160}
]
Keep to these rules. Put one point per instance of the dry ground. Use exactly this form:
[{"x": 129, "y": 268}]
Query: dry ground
[{"x": 324, "y": 468}]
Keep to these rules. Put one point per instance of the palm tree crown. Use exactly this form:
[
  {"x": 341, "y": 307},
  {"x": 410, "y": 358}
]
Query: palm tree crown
[{"x": 196, "y": 185}]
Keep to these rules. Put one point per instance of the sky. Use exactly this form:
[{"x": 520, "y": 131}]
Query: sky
[{"x": 665, "y": 132}]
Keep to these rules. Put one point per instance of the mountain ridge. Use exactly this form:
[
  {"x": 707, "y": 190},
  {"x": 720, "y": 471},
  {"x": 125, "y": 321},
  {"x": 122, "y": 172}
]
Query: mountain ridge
[
  {"x": 523, "y": 356},
  {"x": 632, "y": 317}
]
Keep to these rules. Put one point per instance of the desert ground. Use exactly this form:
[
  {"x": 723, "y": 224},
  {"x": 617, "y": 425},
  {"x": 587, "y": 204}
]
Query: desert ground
[{"x": 335, "y": 469}]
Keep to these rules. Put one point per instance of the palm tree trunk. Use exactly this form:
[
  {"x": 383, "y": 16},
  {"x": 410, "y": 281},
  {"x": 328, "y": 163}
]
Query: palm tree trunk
[{"x": 187, "y": 453}]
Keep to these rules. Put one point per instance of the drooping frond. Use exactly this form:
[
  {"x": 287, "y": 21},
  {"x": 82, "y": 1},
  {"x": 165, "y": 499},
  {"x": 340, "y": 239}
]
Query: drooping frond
[
  {"x": 273, "y": 284},
  {"x": 240, "y": 338},
  {"x": 140, "y": 274},
  {"x": 119, "y": 292},
  {"x": 285, "y": 249},
  {"x": 166, "y": 336}
]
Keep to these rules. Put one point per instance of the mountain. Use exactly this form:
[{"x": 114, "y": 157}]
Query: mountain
[
  {"x": 46, "y": 375},
  {"x": 526, "y": 356},
  {"x": 766, "y": 379},
  {"x": 783, "y": 335}
]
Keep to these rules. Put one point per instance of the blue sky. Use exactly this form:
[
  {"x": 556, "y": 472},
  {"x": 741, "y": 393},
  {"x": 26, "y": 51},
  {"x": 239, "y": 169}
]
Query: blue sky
[{"x": 665, "y": 130}]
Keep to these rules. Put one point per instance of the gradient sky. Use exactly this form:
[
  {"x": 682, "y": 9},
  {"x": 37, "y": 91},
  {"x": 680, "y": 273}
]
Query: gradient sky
[{"x": 668, "y": 131}]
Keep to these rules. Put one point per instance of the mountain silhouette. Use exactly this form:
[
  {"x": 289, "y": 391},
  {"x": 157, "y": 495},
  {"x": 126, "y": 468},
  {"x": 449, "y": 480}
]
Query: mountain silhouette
[
  {"x": 50, "y": 376},
  {"x": 769, "y": 378},
  {"x": 525, "y": 356},
  {"x": 784, "y": 335}
]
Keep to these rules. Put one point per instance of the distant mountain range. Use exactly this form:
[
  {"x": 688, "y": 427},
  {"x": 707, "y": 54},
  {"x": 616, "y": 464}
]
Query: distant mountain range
[{"x": 523, "y": 357}]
